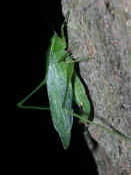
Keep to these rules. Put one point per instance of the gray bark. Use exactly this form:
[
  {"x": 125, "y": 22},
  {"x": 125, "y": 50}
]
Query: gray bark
[{"x": 101, "y": 30}]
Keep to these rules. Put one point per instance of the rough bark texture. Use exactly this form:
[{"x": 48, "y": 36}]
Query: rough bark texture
[{"x": 101, "y": 29}]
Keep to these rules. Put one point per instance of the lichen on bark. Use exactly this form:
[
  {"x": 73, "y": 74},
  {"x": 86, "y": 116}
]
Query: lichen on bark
[{"x": 100, "y": 29}]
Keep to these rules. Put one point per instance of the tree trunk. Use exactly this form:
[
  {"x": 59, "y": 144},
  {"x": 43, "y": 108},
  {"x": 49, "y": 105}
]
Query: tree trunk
[{"x": 101, "y": 30}]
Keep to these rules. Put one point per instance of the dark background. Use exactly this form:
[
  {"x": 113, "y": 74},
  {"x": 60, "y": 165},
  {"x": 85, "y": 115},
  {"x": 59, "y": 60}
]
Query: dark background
[{"x": 38, "y": 144}]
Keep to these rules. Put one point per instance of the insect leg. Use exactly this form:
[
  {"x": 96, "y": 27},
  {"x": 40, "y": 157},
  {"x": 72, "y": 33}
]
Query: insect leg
[
  {"x": 117, "y": 133},
  {"x": 70, "y": 71},
  {"x": 20, "y": 104},
  {"x": 77, "y": 60}
]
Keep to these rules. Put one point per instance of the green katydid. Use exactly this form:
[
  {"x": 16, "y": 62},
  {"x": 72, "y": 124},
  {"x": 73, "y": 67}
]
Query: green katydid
[
  {"x": 63, "y": 86},
  {"x": 59, "y": 75}
]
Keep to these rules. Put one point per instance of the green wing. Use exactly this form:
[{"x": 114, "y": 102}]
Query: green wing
[{"x": 57, "y": 88}]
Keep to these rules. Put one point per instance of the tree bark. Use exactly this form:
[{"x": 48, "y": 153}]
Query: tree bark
[{"x": 101, "y": 30}]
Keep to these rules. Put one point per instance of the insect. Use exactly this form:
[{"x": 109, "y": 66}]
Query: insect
[{"x": 63, "y": 87}]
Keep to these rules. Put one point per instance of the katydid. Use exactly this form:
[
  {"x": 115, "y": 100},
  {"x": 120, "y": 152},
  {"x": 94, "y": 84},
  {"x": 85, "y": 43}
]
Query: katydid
[
  {"x": 59, "y": 74},
  {"x": 63, "y": 86}
]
